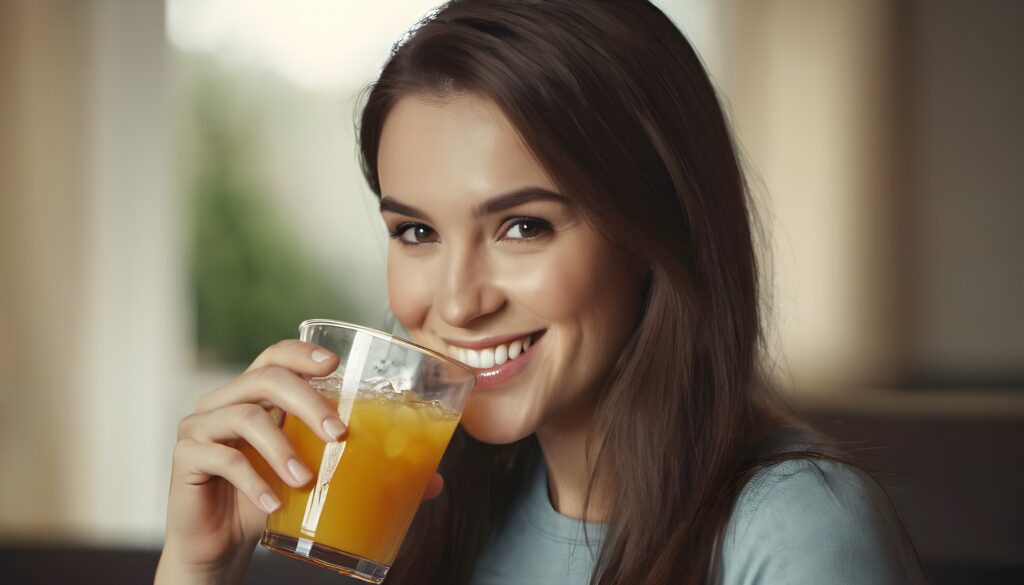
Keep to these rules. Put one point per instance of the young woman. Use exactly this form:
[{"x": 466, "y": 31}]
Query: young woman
[{"x": 567, "y": 217}]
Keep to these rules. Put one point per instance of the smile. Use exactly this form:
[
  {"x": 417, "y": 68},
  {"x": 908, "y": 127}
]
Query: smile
[{"x": 495, "y": 360}]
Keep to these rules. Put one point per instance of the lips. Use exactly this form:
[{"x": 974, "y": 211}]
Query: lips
[{"x": 495, "y": 360}]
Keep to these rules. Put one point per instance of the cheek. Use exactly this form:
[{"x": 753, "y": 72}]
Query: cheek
[
  {"x": 591, "y": 302},
  {"x": 585, "y": 285},
  {"x": 408, "y": 295}
]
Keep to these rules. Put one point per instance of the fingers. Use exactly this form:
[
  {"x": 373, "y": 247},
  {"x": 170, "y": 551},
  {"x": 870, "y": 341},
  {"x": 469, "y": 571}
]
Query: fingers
[
  {"x": 257, "y": 427},
  {"x": 434, "y": 487},
  {"x": 298, "y": 356},
  {"x": 197, "y": 463},
  {"x": 236, "y": 412},
  {"x": 280, "y": 387}
]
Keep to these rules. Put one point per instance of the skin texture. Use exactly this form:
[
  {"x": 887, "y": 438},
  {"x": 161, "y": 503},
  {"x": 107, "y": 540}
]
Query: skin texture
[{"x": 457, "y": 275}]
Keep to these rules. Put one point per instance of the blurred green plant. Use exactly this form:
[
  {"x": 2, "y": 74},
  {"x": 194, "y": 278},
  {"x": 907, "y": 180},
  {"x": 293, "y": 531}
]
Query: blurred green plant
[{"x": 251, "y": 281}]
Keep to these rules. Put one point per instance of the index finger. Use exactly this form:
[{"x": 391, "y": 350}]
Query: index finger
[{"x": 301, "y": 357}]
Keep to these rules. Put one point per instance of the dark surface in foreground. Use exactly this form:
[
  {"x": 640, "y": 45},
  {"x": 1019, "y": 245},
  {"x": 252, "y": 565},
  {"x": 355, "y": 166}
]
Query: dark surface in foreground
[{"x": 80, "y": 566}]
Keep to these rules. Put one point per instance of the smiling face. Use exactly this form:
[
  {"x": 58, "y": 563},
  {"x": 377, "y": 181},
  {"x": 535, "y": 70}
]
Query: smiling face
[{"x": 490, "y": 264}]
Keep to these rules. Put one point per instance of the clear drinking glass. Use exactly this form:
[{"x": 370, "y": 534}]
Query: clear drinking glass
[{"x": 401, "y": 403}]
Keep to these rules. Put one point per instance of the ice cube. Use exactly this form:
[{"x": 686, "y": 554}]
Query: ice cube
[
  {"x": 395, "y": 443},
  {"x": 405, "y": 416},
  {"x": 436, "y": 410},
  {"x": 377, "y": 386},
  {"x": 330, "y": 383}
]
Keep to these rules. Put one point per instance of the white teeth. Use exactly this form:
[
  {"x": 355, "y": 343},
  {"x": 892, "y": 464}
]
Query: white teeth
[
  {"x": 487, "y": 358},
  {"x": 491, "y": 356}
]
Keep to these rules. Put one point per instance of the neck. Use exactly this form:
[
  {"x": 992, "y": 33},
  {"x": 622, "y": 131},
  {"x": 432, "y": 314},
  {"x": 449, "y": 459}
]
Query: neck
[{"x": 563, "y": 443}]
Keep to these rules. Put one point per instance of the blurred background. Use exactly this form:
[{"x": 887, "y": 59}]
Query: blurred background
[{"x": 179, "y": 188}]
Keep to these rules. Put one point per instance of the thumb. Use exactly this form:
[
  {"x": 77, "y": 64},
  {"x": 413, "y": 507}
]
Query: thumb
[{"x": 434, "y": 487}]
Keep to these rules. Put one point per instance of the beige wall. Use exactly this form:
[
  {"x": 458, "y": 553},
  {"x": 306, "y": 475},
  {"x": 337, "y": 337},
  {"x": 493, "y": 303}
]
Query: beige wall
[
  {"x": 809, "y": 85},
  {"x": 93, "y": 328},
  {"x": 43, "y": 168},
  {"x": 883, "y": 141}
]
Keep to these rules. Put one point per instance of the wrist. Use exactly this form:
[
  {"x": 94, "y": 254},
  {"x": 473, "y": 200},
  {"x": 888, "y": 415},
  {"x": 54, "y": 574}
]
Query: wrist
[{"x": 174, "y": 569}]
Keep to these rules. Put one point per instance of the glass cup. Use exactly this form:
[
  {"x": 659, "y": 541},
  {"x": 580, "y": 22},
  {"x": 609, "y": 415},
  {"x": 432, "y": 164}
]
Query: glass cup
[{"x": 401, "y": 403}]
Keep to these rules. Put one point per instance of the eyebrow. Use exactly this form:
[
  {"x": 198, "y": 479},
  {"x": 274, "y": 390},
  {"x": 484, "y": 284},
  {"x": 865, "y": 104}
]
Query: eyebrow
[{"x": 492, "y": 205}]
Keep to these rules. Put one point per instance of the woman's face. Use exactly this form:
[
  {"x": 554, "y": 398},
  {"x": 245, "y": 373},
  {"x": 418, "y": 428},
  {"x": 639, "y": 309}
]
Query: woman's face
[{"x": 491, "y": 265}]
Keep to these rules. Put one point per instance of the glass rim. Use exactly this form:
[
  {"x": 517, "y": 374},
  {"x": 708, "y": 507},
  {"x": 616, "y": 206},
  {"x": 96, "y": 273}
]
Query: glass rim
[{"x": 388, "y": 337}]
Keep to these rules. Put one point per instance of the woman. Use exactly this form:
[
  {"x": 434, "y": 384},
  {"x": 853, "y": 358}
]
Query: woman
[{"x": 568, "y": 217}]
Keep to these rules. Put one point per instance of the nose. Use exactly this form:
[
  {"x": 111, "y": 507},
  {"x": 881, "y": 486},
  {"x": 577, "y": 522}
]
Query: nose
[{"x": 467, "y": 293}]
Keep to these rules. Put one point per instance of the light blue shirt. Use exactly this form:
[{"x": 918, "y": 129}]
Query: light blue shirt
[{"x": 799, "y": 522}]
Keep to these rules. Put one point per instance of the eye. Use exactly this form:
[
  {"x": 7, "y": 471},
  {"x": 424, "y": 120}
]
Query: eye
[
  {"x": 526, "y": 228},
  {"x": 413, "y": 234}
]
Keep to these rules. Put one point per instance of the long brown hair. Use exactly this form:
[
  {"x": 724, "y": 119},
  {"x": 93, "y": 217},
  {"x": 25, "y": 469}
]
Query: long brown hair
[{"x": 615, "y": 104}]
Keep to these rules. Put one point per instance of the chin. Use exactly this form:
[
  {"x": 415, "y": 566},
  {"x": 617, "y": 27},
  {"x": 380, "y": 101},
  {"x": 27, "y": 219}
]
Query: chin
[{"x": 490, "y": 424}]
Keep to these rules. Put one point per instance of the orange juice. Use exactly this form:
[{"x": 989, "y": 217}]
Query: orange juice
[{"x": 382, "y": 468}]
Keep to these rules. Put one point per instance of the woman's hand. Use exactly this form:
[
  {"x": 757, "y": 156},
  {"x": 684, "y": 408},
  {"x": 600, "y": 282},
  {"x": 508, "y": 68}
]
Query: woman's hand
[
  {"x": 231, "y": 457},
  {"x": 219, "y": 499}
]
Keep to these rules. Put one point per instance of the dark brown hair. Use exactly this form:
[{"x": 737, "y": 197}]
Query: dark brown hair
[{"x": 615, "y": 104}]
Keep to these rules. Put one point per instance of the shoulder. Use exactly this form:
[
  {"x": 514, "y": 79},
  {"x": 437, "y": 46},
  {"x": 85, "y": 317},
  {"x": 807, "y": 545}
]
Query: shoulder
[{"x": 810, "y": 520}]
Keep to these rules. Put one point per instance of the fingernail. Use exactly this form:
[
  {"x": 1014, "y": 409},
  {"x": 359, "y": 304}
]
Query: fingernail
[
  {"x": 334, "y": 428},
  {"x": 298, "y": 470},
  {"x": 269, "y": 502},
  {"x": 320, "y": 355}
]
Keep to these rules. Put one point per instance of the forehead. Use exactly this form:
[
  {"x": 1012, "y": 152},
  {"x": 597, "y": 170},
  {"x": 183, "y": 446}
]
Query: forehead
[{"x": 458, "y": 149}]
